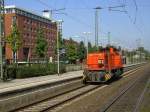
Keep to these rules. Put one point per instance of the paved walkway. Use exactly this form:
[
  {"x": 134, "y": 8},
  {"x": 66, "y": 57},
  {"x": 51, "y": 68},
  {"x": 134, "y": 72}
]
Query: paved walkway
[{"x": 34, "y": 81}]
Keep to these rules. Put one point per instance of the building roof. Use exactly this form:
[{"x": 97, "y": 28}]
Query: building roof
[{"x": 28, "y": 11}]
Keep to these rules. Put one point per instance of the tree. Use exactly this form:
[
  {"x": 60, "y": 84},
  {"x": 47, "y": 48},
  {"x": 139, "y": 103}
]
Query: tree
[
  {"x": 95, "y": 49},
  {"x": 14, "y": 40},
  {"x": 71, "y": 53},
  {"x": 90, "y": 48},
  {"x": 147, "y": 55},
  {"x": 142, "y": 50},
  {"x": 60, "y": 42},
  {"x": 81, "y": 51},
  {"x": 62, "y": 47},
  {"x": 100, "y": 48},
  {"x": 119, "y": 48},
  {"x": 41, "y": 44}
]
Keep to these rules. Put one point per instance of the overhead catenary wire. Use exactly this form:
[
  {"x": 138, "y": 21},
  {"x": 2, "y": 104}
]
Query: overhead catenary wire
[
  {"x": 50, "y": 7},
  {"x": 74, "y": 18},
  {"x": 117, "y": 7},
  {"x": 78, "y": 20},
  {"x": 65, "y": 4},
  {"x": 132, "y": 22},
  {"x": 135, "y": 4},
  {"x": 69, "y": 16},
  {"x": 136, "y": 9},
  {"x": 124, "y": 4},
  {"x": 45, "y": 4}
]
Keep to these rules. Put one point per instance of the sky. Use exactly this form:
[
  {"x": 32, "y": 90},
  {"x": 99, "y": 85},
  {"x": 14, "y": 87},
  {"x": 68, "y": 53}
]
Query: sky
[{"x": 126, "y": 24}]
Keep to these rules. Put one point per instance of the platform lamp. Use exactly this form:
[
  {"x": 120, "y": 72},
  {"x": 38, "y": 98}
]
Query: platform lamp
[
  {"x": 59, "y": 30},
  {"x": 1, "y": 34}
]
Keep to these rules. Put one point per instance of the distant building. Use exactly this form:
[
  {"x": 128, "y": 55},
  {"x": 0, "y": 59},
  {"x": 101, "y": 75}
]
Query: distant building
[{"x": 28, "y": 23}]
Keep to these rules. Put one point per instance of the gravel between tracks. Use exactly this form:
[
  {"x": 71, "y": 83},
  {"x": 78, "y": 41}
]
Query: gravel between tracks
[
  {"x": 130, "y": 100},
  {"x": 50, "y": 103},
  {"x": 145, "y": 104},
  {"x": 92, "y": 102}
]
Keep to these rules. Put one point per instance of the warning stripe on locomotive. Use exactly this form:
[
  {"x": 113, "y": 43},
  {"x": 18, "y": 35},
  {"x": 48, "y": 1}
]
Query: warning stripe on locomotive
[{"x": 107, "y": 77}]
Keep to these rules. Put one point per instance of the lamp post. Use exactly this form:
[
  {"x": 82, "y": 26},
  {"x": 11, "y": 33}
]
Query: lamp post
[
  {"x": 1, "y": 34},
  {"x": 1, "y": 55},
  {"x": 87, "y": 34},
  {"x": 59, "y": 30}
]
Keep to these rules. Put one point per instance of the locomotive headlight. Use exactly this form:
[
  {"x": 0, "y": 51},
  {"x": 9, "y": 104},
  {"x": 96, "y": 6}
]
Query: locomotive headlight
[{"x": 100, "y": 61}]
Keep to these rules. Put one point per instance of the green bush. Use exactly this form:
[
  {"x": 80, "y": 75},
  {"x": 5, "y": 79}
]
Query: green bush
[
  {"x": 37, "y": 70},
  {"x": 11, "y": 72}
]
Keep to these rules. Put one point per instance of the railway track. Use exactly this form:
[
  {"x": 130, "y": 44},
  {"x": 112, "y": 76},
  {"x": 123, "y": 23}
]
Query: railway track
[
  {"x": 130, "y": 98},
  {"x": 51, "y": 103},
  {"x": 58, "y": 100}
]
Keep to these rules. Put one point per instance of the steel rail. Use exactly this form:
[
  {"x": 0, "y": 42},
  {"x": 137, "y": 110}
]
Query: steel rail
[{"x": 115, "y": 99}]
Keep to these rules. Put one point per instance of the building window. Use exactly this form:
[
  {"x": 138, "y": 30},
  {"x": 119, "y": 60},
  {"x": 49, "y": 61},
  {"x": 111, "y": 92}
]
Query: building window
[
  {"x": 24, "y": 27},
  {"x": 14, "y": 19},
  {"x": 8, "y": 10},
  {"x": 27, "y": 21},
  {"x": 26, "y": 52}
]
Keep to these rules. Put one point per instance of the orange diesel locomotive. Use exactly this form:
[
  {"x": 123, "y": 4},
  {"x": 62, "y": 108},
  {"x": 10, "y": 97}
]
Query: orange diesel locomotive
[{"x": 103, "y": 65}]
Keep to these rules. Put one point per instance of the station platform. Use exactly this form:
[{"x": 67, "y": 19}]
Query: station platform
[{"x": 17, "y": 84}]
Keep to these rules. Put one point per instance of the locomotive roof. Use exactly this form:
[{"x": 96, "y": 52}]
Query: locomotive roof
[{"x": 107, "y": 48}]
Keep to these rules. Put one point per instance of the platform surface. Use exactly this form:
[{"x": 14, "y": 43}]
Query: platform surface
[{"x": 34, "y": 81}]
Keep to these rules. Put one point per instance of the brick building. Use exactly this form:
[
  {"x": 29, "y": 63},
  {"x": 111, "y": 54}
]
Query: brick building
[{"x": 28, "y": 23}]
